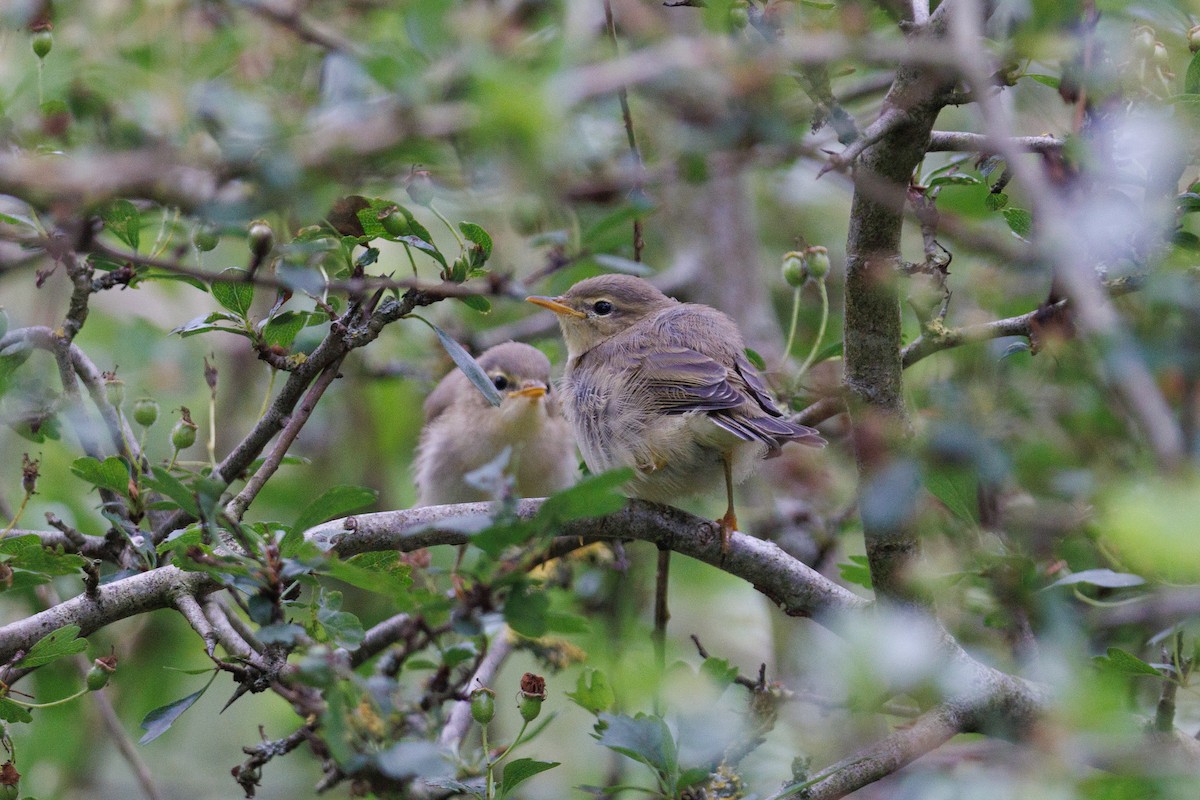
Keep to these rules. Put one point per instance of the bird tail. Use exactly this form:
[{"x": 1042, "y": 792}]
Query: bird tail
[{"x": 774, "y": 432}]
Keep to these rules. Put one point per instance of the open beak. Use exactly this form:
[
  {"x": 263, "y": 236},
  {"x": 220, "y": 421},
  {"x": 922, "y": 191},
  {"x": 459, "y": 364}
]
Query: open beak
[
  {"x": 555, "y": 306},
  {"x": 532, "y": 392}
]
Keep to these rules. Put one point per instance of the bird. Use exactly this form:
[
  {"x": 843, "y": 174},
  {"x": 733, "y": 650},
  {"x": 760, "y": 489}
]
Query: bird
[
  {"x": 665, "y": 388},
  {"x": 463, "y": 431}
]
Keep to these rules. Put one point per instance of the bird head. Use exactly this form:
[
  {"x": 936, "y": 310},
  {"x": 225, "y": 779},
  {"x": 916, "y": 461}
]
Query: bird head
[
  {"x": 598, "y": 308},
  {"x": 520, "y": 373}
]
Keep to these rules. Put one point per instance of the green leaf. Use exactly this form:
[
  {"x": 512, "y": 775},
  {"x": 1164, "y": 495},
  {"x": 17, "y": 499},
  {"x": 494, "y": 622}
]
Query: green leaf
[
  {"x": 520, "y": 770},
  {"x": 994, "y": 201},
  {"x": 111, "y": 473},
  {"x": 719, "y": 671},
  {"x": 646, "y": 739},
  {"x": 1191, "y": 80},
  {"x": 469, "y": 366},
  {"x": 381, "y": 572},
  {"x": 344, "y": 628},
  {"x": 167, "y": 484},
  {"x": 407, "y": 760},
  {"x": 857, "y": 571},
  {"x": 957, "y": 489},
  {"x": 593, "y": 496},
  {"x": 593, "y": 692},
  {"x": 955, "y": 179},
  {"x": 235, "y": 294},
  {"x": 11, "y": 712},
  {"x": 1105, "y": 578},
  {"x": 476, "y": 302},
  {"x": 124, "y": 220},
  {"x": 754, "y": 358},
  {"x": 525, "y": 611},
  {"x": 1019, "y": 220},
  {"x": 1046, "y": 80},
  {"x": 334, "y": 502},
  {"x": 282, "y": 328},
  {"x": 28, "y": 553},
  {"x": 159, "y": 721},
  {"x": 207, "y": 322},
  {"x": 1124, "y": 663},
  {"x": 63, "y": 642},
  {"x": 481, "y": 239}
]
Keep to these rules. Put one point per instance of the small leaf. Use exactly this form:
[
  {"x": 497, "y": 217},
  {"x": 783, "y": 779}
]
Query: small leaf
[
  {"x": 124, "y": 220},
  {"x": 1046, "y": 80},
  {"x": 1191, "y": 80},
  {"x": 593, "y": 692},
  {"x": 1101, "y": 577},
  {"x": 1019, "y": 220},
  {"x": 111, "y": 473},
  {"x": 334, "y": 502},
  {"x": 1124, "y": 663},
  {"x": 857, "y": 571},
  {"x": 593, "y": 496},
  {"x": 236, "y": 294},
  {"x": 469, "y": 366},
  {"x": 994, "y": 201},
  {"x": 754, "y": 358},
  {"x": 479, "y": 237},
  {"x": 719, "y": 671},
  {"x": 165, "y": 483},
  {"x": 525, "y": 611},
  {"x": 955, "y": 179},
  {"x": 625, "y": 265},
  {"x": 643, "y": 738},
  {"x": 159, "y": 721},
  {"x": 407, "y": 760},
  {"x": 281, "y": 329},
  {"x": 11, "y": 712},
  {"x": 476, "y": 302},
  {"x": 63, "y": 642},
  {"x": 956, "y": 489},
  {"x": 520, "y": 770}
]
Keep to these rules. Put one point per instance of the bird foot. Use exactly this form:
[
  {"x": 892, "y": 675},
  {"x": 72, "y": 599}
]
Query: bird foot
[{"x": 728, "y": 524}]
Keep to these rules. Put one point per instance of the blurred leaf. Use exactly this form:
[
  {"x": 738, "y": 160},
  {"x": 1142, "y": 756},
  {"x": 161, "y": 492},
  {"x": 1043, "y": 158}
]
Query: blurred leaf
[
  {"x": 593, "y": 692},
  {"x": 956, "y": 179},
  {"x": 236, "y": 294},
  {"x": 160, "y": 720},
  {"x": 1019, "y": 220},
  {"x": 382, "y": 573},
  {"x": 1124, "y": 663},
  {"x": 1191, "y": 80},
  {"x": 111, "y": 473},
  {"x": 1100, "y": 577},
  {"x": 719, "y": 671},
  {"x": 333, "y": 502},
  {"x": 995, "y": 201},
  {"x": 477, "y": 303},
  {"x": 281, "y": 329},
  {"x": 525, "y": 610},
  {"x": 646, "y": 739},
  {"x": 63, "y": 642},
  {"x": 520, "y": 770},
  {"x": 625, "y": 265},
  {"x": 469, "y": 366},
  {"x": 857, "y": 572},
  {"x": 754, "y": 358},
  {"x": 1046, "y": 80},
  {"x": 407, "y": 760},
  {"x": 1167, "y": 508},
  {"x": 956, "y": 487},
  {"x": 593, "y": 496},
  {"x": 482, "y": 241},
  {"x": 123, "y": 219},
  {"x": 344, "y": 215},
  {"x": 167, "y": 484},
  {"x": 344, "y": 628},
  {"x": 11, "y": 712}
]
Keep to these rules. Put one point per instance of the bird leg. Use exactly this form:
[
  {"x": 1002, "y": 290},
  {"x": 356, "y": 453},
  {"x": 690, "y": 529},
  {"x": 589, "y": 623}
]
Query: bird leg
[{"x": 728, "y": 523}]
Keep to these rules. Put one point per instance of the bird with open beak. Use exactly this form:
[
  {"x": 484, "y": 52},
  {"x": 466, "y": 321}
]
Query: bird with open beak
[
  {"x": 665, "y": 388},
  {"x": 463, "y": 431}
]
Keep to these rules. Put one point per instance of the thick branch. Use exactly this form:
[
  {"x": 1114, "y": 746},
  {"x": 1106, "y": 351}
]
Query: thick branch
[{"x": 962, "y": 142}]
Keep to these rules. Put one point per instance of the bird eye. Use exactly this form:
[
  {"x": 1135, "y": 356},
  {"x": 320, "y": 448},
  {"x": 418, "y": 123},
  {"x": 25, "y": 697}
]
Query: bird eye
[
  {"x": 602, "y": 307},
  {"x": 500, "y": 382}
]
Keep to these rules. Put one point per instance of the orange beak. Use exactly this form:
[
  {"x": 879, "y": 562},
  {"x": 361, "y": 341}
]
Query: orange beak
[
  {"x": 555, "y": 306},
  {"x": 532, "y": 392}
]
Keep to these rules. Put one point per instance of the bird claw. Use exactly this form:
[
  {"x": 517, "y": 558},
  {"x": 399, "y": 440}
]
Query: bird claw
[{"x": 727, "y": 525}]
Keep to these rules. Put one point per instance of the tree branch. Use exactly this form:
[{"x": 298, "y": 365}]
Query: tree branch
[{"x": 963, "y": 142}]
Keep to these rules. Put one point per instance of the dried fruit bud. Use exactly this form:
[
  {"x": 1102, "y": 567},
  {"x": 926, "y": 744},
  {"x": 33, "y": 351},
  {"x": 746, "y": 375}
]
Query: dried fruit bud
[
  {"x": 420, "y": 187},
  {"x": 145, "y": 412},
  {"x": 531, "y": 696},
  {"x": 183, "y": 435},
  {"x": 42, "y": 42},
  {"x": 794, "y": 270},
  {"x": 1193, "y": 38},
  {"x": 483, "y": 705},
  {"x": 1144, "y": 41},
  {"x": 261, "y": 238},
  {"x": 205, "y": 237},
  {"x": 818, "y": 262},
  {"x": 114, "y": 388},
  {"x": 29, "y": 473},
  {"x": 98, "y": 675},
  {"x": 395, "y": 223}
]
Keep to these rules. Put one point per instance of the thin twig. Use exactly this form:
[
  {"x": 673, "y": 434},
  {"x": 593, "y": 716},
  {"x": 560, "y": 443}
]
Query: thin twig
[{"x": 627, "y": 118}]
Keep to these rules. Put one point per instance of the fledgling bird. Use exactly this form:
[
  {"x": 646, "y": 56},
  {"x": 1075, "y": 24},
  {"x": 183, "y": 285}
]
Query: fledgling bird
[
  {"x": 463, "y": 431},
  {"x": 665, "y": 388}
]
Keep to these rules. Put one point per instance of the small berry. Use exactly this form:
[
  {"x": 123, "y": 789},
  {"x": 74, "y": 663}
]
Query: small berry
[
  {"x": 183, "y": 435},
  {"x": 261, "y": 238},
  {"x": 114, "y": 389},
  {"x": 145, "y": 412},
  {"x": 41, "y": 42},
  {"x": 794, "y": 269},
  {"x": 818, "y": 262},
  {"x": 483, "y": 705},
  {"x": 1193, "y": 38},
  {"x": 395, "y": 223},
  {"x": 205, "y": 237}
]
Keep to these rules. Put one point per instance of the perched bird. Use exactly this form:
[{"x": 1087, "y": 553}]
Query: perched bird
[
  {"x": 665, "y": 388},
  {"x": 463, "y": 431}
]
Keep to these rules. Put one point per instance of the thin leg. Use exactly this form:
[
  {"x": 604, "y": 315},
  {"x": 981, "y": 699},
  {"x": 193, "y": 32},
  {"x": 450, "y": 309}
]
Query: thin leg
[{"x": 728, "y": 522}]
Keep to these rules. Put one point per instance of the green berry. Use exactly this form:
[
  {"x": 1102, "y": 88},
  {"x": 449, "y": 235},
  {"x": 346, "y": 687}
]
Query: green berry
[
  {"x": 483, "y": 705},
  {"x": 261, "y": 238},
  {"x": 97, "y": 677},
  {"x": 818, "y": 262},
  {"x": 1193, "y": 38},
  {"x": 145, "y": 412},
  {"x": 183, "y": 435},
  {"x": 205, "y": 237},
  {"x": 739, "y": 17},
  {"x": 794, "y": 270},
  {"x": 114, "y": 390},
  {"x": 41, "y": 42},
  {"x": 395, "y": 223}
]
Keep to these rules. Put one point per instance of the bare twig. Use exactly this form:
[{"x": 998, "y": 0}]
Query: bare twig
[
  {"x": 187, "y": 605},
  {"x": 963, "y": 142},
  {"x": 627, "y": 118}
]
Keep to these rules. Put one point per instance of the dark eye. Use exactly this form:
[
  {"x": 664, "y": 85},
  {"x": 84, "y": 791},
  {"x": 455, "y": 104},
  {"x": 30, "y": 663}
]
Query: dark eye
[
  {"x": 602, "y": 307},
  {"x": 500, "y": 382}
]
